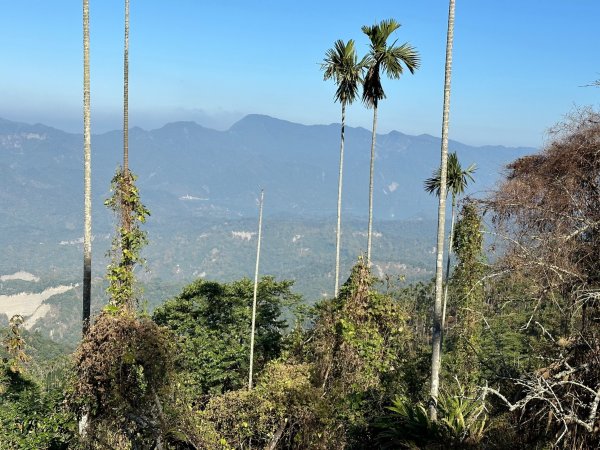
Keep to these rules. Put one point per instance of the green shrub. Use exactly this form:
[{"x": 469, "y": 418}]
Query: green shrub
[{"x": 461, "y": 424}]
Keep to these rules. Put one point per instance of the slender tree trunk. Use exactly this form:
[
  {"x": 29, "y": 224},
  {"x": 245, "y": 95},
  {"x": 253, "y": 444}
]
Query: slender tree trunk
[
  {"x": 126, "y": 221},
  {"x": 370, "y": 230},
  {"x": 450, "y": 241},
  {"x": 436, "y": 354},
  {"x": 87, "y": 191},
  {"x": 339, "y": 206},
  {"x": 126, "y": 93},
  {"x": 87, "y": 173},
  {"x": 260, "y": 214},
  {"x": 272, "y": 445}
]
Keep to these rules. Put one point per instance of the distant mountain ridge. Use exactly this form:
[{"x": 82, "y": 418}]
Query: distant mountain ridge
[
  {"x": 296, "y": 165},
  {"x": 201, "y": 186}
]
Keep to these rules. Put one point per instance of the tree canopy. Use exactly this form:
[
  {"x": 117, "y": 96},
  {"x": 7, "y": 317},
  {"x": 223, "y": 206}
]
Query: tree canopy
[{"x": 212, "y": 322}]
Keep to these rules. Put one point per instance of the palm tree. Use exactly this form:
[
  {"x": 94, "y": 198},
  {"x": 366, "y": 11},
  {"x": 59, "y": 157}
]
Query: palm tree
[
  {"x": 87, "y": 190},
  {"x": 387, "y": 59},
  {"x": 124, "y": 188},
  {"x": 456, "y": 182},
  {"x": 436, "y": 338},
  {"x": 87, "y": 172},
  {"x": 341, "y": 64},
  {"x": 126, "y": 178}
]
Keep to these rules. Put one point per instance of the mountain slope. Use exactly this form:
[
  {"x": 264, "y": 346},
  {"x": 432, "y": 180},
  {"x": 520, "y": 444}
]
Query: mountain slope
[
  {"x": 219, "y": 173},
  {"x": 201, "y": 186}
]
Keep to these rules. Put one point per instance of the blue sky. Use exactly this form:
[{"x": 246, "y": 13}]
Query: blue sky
[{"x": 519, "y": 66}]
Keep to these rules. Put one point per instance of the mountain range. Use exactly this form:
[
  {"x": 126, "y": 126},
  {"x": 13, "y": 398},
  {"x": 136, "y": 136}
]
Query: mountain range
[
  {"x": 186, "y": 170},
  {"x": 202, "y": 186}
]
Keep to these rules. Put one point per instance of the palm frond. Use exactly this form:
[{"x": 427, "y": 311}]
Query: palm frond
[
  {"x": 341, "y": 64},
  {"x": 372, "y": 88},
  {"x": 389, "y": 59},
  {"x": 457, "y": 179},
  {"x": 397, "y": 57},
  {"x": 380, "y": 32},
  {"x": 432, "y": 185}
]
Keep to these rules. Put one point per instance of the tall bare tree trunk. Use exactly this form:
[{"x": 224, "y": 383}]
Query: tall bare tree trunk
[
  {"x": 126, "y": 93},
  {"x": 370, "y": 230},
  {"x": 339, "y": 206},
  {"x": 450, "y": 242},
  {"x": 260, "y": 214},
  {"x": 87, "y": 173},
  {"x": 126, "y": 221},
  {"x": 87, "y": 191},
  {"x": 436, "y": 354}
]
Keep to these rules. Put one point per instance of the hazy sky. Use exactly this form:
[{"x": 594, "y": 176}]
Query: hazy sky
[{"x": 519, "y": 65}]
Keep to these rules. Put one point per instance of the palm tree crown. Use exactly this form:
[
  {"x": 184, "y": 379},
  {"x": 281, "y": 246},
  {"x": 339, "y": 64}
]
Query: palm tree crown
[
  {"x": 457, "y": 179},
  {"x": 384, "y": 58},
  {"x": 341, "y": 64}
]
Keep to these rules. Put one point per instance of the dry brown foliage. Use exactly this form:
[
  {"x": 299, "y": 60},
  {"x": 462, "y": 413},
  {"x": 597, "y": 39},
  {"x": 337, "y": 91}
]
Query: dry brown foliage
[
  {"x": 548, "y": 211},
  {"x": 123, "y": 370},
  {"x": 560, "y": 401}
]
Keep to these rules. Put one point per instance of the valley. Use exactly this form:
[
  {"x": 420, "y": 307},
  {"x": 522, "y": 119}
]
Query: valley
[{"x": 201, "y": 187}]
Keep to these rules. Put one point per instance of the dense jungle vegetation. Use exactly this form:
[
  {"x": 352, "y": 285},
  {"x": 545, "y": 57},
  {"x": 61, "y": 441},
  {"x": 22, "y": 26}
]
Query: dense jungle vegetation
[{"x": 519, "y": 353}]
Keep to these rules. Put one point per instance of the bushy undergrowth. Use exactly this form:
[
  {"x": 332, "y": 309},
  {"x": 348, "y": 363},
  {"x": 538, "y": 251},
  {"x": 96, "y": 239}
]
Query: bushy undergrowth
[
  {"x": 520, "y": 358},
  {"x": 461, "y": 424},
  {"x": 123, "y": 375},
  {"x": 32, "y": 414}
]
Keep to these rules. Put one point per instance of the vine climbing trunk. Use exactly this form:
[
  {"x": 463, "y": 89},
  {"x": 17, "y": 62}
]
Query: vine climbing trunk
[
  {"x": 450, "y": 244},
  {"x": 436, "y": 354},
  {"x": 126, "y": 179},
  {"x": 338, "y": 235},
  {"x": 371, "y": 173},
  {"x": 260, "y": 214}
]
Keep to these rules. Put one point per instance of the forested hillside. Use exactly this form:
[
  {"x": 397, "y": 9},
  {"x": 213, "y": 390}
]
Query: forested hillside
[
  {"x": 518, "y": 367},
  {"x": 200, "y": 186},
  {"x": 281, "y": 286}
]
